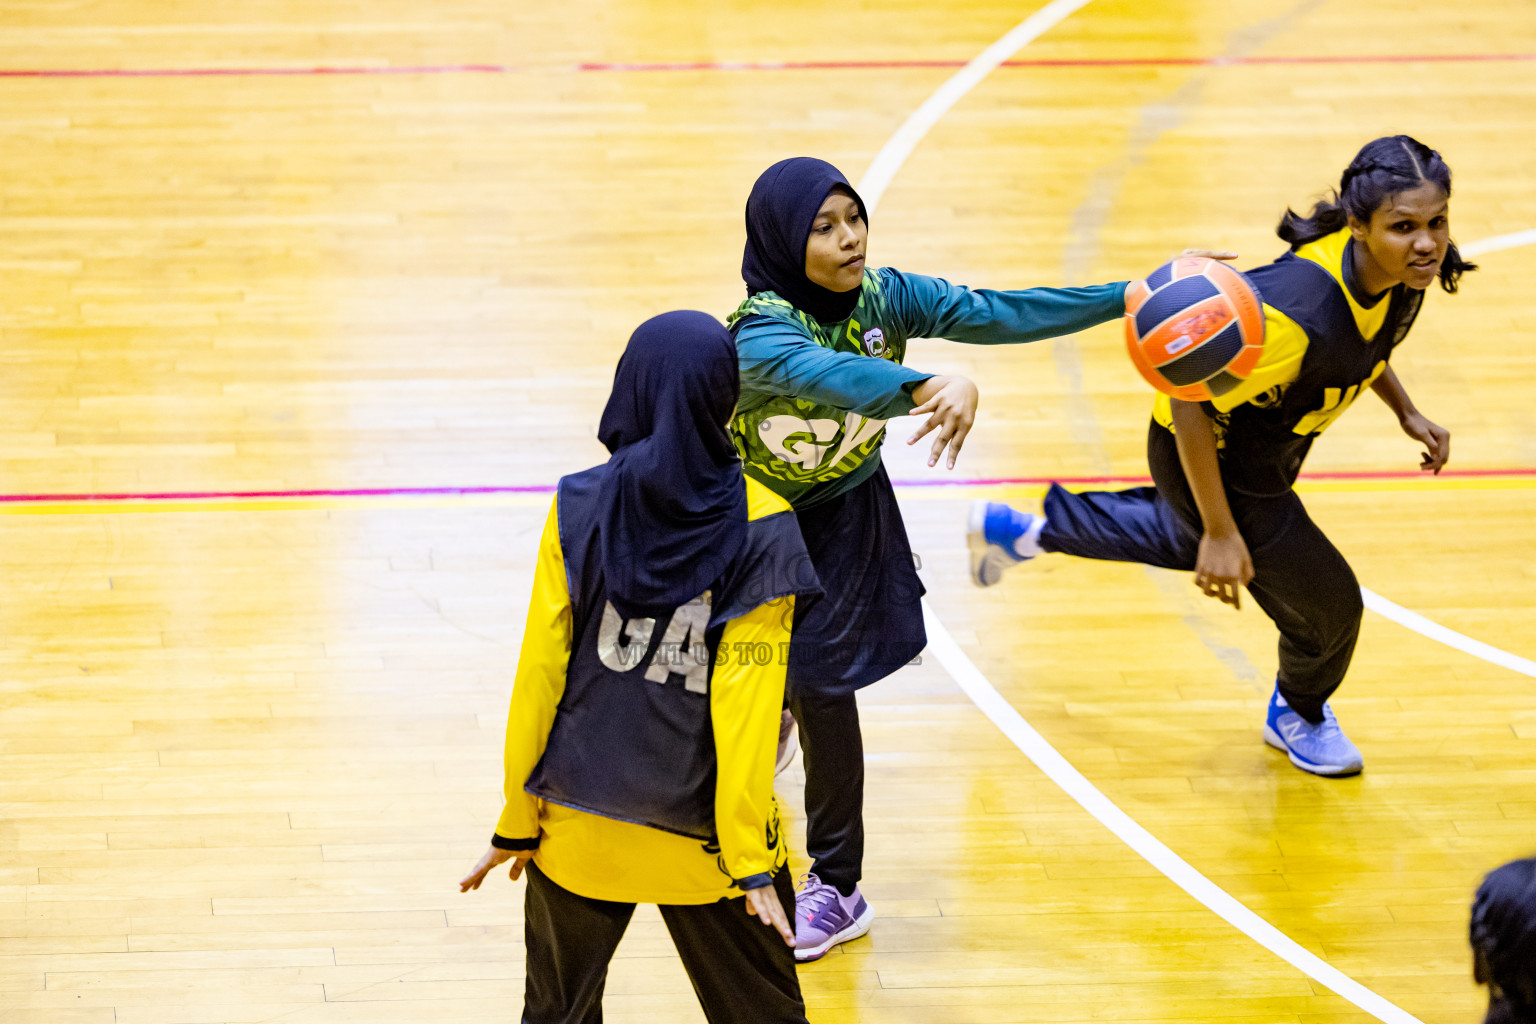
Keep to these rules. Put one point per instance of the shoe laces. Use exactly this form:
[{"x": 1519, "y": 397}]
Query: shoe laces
[{"x": 817, "y": 894}]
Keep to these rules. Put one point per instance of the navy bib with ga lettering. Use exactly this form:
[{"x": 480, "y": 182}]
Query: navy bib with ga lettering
[{"x": 632, "y": 737}]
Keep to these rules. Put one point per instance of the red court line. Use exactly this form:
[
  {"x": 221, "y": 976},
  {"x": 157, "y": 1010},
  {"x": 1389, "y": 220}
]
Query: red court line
[
  {"x": 405, "y": 492},
  {"x": 1094, "y": 62},
  {"x": 347, "y": 492},
  {"x": 427, "y": 69},
  {"x": 1142, "y": 478},
  {"x": 787, "y": 65}
]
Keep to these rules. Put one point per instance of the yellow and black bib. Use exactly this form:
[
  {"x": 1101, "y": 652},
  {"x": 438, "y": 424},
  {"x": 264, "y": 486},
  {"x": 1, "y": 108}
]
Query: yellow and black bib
[{"x": 1350, "y": 338}]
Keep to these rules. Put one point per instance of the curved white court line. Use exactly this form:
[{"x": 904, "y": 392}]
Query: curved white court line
[
  {"x": 1412, "y": 619},
  {"x": 1060, "y": 771},
  {"x": 979, "y": 689},
  {"x": 898, "y": 147}
]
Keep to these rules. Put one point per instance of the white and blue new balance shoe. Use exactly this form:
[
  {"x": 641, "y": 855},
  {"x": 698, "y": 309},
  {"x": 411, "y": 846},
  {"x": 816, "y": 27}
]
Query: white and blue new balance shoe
[
  {"x": 1321, "y": 749},
  {"x": 999, "y": 537}
]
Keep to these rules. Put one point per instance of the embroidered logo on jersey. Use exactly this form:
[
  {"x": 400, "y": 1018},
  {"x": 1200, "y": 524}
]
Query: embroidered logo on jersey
[
  {"x": 1265, "y": 399},
  {"x": 874, "y": 341}
]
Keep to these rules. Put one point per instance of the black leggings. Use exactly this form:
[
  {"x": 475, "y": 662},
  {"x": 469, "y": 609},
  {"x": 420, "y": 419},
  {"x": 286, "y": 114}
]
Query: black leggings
[
  {"x": 833, "y": 750},
  {"x": 1299, "y": 578},
  {"x": 740, "y": 968}
]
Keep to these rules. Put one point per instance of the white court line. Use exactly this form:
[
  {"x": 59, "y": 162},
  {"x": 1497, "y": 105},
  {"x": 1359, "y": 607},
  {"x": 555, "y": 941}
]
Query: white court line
[
  {"x": 1432, "y": 629},
  {"x": 1060, "y": 771},
  {"x": 899, "y": 146},
  {"x": 1498, "y": 243},
  {"x": 1413, "y": 620},
  {"x": 976, "y": 686}
]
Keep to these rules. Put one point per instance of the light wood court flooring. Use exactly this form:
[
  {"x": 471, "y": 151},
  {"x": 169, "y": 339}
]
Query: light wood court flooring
[{"x": 248, "y": 745}]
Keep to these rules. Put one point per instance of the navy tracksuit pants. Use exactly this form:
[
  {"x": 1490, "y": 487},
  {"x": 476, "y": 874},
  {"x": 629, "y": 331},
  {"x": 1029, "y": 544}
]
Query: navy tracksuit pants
[{"x": 1300, "y": 579}]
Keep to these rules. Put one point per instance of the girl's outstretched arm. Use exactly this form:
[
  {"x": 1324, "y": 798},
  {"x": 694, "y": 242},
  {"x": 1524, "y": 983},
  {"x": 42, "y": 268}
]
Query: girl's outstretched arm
[
  {"x": 1432, "y": 436},
  {"x": 930, "y": 307},
  {"x": 1223, "y": 564}
]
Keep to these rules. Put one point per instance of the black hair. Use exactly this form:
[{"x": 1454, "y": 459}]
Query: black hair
[
  {"x": 1381, "y": 170},
  {"x": 1504, "y": 942}
]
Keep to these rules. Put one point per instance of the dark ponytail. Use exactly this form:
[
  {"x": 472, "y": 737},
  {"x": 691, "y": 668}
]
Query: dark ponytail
[{"x": 1380, "y": 170}]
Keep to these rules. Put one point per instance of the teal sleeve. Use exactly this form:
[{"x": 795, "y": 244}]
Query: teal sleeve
[
  {"x": 931, "y": 307},
  {"x": 777, "y": 359}
]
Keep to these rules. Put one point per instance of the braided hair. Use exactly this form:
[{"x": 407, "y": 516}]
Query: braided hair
[
  {"x": 1382, "y": 169},
  {"x": 1504, "y": 942}
]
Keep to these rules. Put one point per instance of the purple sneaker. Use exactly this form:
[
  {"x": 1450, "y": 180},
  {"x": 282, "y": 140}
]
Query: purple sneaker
[
  {"x": 824, "y": 917},
  {"x": 789, "y": 742}
]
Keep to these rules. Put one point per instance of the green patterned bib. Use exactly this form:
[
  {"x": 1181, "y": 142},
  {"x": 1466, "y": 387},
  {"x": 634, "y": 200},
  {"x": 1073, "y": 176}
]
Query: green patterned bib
[{"x": 794, "y": 445}]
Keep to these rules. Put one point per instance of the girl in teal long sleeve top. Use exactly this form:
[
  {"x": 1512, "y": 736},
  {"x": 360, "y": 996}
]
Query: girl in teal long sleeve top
[{"x": 820, "y": 341}]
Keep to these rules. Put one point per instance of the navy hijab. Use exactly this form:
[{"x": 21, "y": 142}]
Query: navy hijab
[
  {"x": 780, "y": 211},
  {"x": 672, "y": 503}
]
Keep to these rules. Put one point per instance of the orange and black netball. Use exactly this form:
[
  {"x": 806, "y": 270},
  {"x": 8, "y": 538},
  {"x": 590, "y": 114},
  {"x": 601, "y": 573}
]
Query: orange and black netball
[{"x": 1194, "y": 328}]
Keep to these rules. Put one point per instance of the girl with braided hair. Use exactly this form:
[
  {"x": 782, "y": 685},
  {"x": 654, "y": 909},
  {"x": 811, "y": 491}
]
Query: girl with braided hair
[
  {"x": 1335, "y": 307},
  {"x": 1504, "y": 942}
]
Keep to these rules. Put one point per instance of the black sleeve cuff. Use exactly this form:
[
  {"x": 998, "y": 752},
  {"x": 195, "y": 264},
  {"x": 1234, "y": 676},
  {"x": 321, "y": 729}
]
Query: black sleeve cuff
[
  {"x": 518, "y": 845},
  {"x": 756, "y": 881}
]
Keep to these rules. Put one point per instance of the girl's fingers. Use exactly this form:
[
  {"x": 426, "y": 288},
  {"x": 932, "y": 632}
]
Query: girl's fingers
[
  {"x": 926, "y": 429},
  {"x": 927, "y": 406},
  {"x": 955, "y": 445},
  {"x": 939, "y": 444},
  {"x": 1212, "y": 254}
]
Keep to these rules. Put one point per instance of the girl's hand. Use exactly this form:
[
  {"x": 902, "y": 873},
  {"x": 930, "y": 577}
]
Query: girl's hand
[
  {"x": 765, "y": 904},
  {"x": 950, "y": 403},
  {"x": 491, "y": 859},
  {"x": 1223, "y": 567},
  {"x": 1436, "y": 438},
  {"x": 1210, "y": 254}
]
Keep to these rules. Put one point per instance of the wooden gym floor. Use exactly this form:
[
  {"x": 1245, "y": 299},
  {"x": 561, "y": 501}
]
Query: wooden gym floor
[{"x": 302, "y": 276}]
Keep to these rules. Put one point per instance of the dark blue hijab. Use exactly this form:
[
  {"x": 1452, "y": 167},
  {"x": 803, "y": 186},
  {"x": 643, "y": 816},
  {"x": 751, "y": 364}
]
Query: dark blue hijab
[
  {"x": 672, "y": 504},
  {"x": 780, "y": 211}
]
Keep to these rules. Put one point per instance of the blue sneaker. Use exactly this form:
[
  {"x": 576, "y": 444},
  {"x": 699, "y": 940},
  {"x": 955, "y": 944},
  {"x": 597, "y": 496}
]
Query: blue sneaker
[
  {"x": 992, "y": 533},
  {"x": 1321, "y": 749}
]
